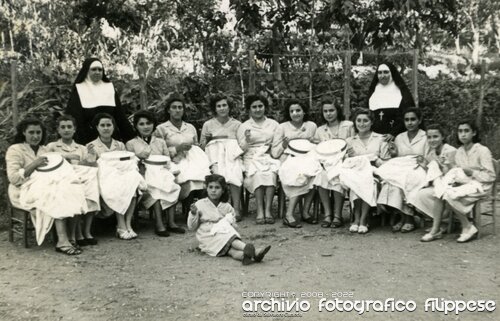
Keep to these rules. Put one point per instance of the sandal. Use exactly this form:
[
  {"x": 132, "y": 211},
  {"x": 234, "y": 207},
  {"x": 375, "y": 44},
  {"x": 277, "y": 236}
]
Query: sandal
[
  {"x": 362, "y": 229},
  {"x": 408, "y": 227},
  {"x": 269, "y": 220},
  {"x": 293, "y": 224},
  {"x": 259, "y": 256},
  {"x": 260, "y": 221},
  {"x": 75, "y": 245},
  {"x": 327, "y": 222},
  {"x": 431, "y": 237},
  {"x": 337, "y": 222},
  {"x": 123, "y": 234},
  {"x": 310, "y": 220},
  {"x": 68, "y": 250},
  {"x": 397, "y": 227}
]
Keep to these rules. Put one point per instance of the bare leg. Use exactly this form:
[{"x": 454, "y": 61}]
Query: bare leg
[
  {"x": 158, "y": 217},
  {"x": 259, "y": 199},
  {"x": 338, "y": 203},
  {"x": 269, "y": 201},
  {"x": 236, "y": 198},
  {"x": 78, "y": 227},
  {"x": 308, "y": 199},
  {"x": 171, "y": 217},
  {"x": 324, "y": 195},
  {"x": 87, "y": 226},
  {"x": 62, "y": 233},
  {"x": 238, "y": 245},
  {"x": 436, "y": 220},
  {"x": 464, "y": 221},
  {"x": 71, "y": 224},
  {"x": 129, "y": 214},
  {"x": 235, "y": 254},
  {"x": 357, "y": 211},
  {"x": 365, "y": 211},
  {"x": 291, "y": 208}
]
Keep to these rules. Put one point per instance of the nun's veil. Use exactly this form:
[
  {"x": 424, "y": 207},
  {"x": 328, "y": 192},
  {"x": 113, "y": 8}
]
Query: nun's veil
[{"x": 82, "y": 74}]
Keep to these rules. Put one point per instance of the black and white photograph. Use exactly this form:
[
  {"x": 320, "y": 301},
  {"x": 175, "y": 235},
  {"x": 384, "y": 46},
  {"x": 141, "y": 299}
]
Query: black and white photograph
[{"x": 249, "y": 159}]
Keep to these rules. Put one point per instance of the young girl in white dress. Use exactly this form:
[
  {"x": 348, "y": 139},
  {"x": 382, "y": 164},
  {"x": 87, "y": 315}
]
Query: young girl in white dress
[
  {"x": 335, "y": 127},
  {"x": 412, "y": 142},
  {"x": 443, "y": 155},
  {"x": 214, "y": 221}
]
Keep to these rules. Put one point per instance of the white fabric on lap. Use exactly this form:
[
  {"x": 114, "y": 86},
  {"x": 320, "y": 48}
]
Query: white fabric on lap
[
  {"x": 227, "y": 154},
  {"x": 194, "y": 166},
  {"x": 161, "y": 184},
  {"x": 356, "y": 174}
]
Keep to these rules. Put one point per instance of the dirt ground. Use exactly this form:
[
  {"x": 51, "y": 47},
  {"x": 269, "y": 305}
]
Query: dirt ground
[{"x": 154, "y": 278}]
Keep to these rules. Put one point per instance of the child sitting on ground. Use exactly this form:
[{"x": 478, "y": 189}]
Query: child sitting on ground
[{"x": 213, "y": 218}]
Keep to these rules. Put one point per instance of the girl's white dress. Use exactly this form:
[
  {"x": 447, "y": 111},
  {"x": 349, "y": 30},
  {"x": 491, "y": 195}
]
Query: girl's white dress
[
  {"x": 344, "y": 130},
  {"x": 160, "y": 180},
  {"x": 402, "y": 172},
  {"x": 192, "y": 164},
  {"x": 214, "y": 225},
  {"x": 223, "y": 151},
  {"x": 260, "y": 161}
]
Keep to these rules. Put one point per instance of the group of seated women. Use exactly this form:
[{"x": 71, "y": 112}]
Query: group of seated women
[{"x": 416, "y": 172}]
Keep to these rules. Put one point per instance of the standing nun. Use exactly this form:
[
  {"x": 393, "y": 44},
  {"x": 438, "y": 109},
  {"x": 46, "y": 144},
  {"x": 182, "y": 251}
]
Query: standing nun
[
  {"x": 94, "y": 93},
  {"x": 388, "y": 98}
]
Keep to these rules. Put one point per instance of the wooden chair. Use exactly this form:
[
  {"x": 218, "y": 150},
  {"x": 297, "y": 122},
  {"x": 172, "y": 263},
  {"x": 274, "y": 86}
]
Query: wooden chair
[
  {"x": 20, "y": 223},
  {"x": 477, "y": 212}
]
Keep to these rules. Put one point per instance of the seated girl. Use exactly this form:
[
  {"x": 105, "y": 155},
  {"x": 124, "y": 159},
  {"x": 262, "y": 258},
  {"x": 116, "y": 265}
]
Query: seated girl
[
  {"x": 363, "y": 190},
  {"x": 119, "y": 177},
  {"x": 50, "y": 194},
  {"x": 335, "y": 127},
  {"x": 475, "y": 161},
  {"x": 218, "y": 139},
  {"x": 413, "y": 142},
  {"x": 214, "y": 221},
  {"x": 443, "y": 155},
  {"x": 77, "y": 155},
  {"x": 163, "y": 192}
]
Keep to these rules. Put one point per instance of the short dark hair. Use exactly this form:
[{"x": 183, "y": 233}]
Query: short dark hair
[
  {"x": 65, "y": 117},
  {"x": 250, "y": 99},
  {"x": 215, "y": 99},
  {"x": 473, "y": 125},
  {"x": 222, "y": 181},
  {"x": 24, "y": 124},
  {"x": 361, "y": 111},
  {"x": 328, "y": 100},
  {"x": 301, "y": 103},
  {"x": 173, "y": 98},
  {"x": 439, "y": 128},
  {"x": 144, "y": 114},
  {"x": 97, "y": 118},
  {"x": 418, "y": 112}
]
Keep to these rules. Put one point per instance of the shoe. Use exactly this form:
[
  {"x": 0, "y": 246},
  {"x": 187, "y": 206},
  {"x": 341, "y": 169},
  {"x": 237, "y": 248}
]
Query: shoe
[
  {"x": 310, "y": 220},
  {"x": 337, "y": 222},
  {"x": 90, "y": 241},
  {"x": 163, "y": 233},
  {"x": 176, "y": 230},
  {"x": 469, "y": 235},
  {"x": 354, "y": 228},
  {"x": 397, "y": 227},
  {"x": 431, "y": 237},
  {"x": 68, "y": 250},
  {"x": 259, "y": 256},
  {"x": 269, "y": 220},
  {"x": 123, "y": 234},
  {"x": 362, "y": 229},
  {"x": 133, "y": 234},
  {"x": 408, "y": 227},
  {"x": 248, "y": 254},
  {"x": 260, "y": 221},
  {"x": 82, "y": 242},
  {"x": 293, "y": 224},
  {"x": 327, "y": 222}
]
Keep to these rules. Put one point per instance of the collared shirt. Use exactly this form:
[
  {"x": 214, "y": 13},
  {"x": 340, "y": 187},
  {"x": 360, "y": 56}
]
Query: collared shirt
[
  {"x": 447, "y": 151},
  {"x": 479, "y": 160},
  {"x": 268, "y": 132},
  {"x": 101, "y": 148},
  {"x": 156, "y": 146},
  {"x": 375, "y": 145},
  {"x": 214, "y": 128},
  {"x": 17, "y": 157},
  {"x": 174, "y": 136},
  {"x": 306, "y": 131},
  {"x": 65, "y": 150},
  {"x": 343, "y": 130},
  {"x": 417, "y": 146}
]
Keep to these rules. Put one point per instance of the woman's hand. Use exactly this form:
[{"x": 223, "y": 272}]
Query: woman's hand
[
  {"x": 248, "y": 135},
  {"x": 393, "y": 150},
  {"x": 73, "y": 158},
  {"x": 422, "y": 162},
  {"x": 91, "y": 149},
  {"x": 183, "y": 147},
  {"x": 144, "y": 154},
  {"x": 467, "y": 171},
  {"x": 285, "y": 142},
  {"x": 193, "y": 209},
  {"x": 39, "y": 161},
  {"x": 388, "y": 138},
  {"x": 350, "y": 151}
]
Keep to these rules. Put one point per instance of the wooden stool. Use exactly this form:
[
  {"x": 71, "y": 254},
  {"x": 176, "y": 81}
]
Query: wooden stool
[{"x": 20, "y": 223}]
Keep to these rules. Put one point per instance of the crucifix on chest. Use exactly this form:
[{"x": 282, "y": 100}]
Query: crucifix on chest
[{"x": 381, "y": 115}]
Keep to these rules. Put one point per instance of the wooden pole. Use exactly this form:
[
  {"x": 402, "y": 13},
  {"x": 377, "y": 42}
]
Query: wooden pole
[
  {"x": 414, "y": 85},
  {"x": 143, "y": 69},
  {"x": 13, "y": 79},
  {"x": 310, "y": 57},
  {"x": 479, "y": 118},
  {"x": 347, "y": 84},
  {"x": 251, "y": 76},
  {"x": 242, "y": 84}
]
